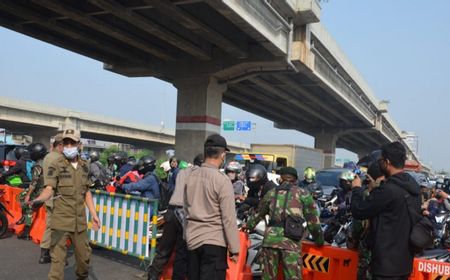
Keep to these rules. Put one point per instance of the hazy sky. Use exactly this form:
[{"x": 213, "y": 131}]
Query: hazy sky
[{"x": 401, "y": 47}]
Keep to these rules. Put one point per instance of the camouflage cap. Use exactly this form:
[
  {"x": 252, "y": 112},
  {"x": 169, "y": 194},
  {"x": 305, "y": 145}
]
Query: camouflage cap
[
  {"x": 58, "y": 137},
  {"x": 72, "y": 134}
]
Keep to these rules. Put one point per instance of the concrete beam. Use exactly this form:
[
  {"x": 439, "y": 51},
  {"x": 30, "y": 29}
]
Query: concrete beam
[
  {"x": 106, "y": 28},
  {"x": 152, "y": 28},
  {"x": 169, "y": 9}
]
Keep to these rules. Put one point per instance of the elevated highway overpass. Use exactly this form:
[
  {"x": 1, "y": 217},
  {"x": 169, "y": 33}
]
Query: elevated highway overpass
[
  {"x": 42, "y": 122},
  {"x": 271, "y": 58}
]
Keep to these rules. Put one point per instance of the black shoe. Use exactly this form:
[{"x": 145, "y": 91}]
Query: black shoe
[
  {"x": 45, "y": 256},
  {"x": 21, "y": 220},
  {"x": 25, "y": 235},
  {"x": 152, "y": 276}
]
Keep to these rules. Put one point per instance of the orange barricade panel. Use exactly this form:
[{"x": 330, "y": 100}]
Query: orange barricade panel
[
  {"x": 430, "y": 270},
  {"x": 38, "y": 227},
  {"x": 168, "y": 269},
  {"x": 239, "y": 270}
]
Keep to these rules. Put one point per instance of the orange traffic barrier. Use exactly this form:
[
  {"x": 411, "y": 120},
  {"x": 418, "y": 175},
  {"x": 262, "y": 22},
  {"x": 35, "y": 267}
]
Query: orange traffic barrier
[
  {"x": 12, "y": 203},
  {"x": 430, "y": 270},
  {"x": 39, "y": 225},
  {"x": 328, "y": 263}
]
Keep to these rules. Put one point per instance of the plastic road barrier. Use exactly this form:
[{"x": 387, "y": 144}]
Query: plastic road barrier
[{"x": 125, "y": 222}]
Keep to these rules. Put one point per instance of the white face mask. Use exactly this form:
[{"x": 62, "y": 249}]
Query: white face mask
[{"x": 70, "y": 153}]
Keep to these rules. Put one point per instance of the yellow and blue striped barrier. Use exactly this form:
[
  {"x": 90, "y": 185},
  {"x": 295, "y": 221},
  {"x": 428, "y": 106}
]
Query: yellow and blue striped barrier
[{"x": 125, "y": 222}]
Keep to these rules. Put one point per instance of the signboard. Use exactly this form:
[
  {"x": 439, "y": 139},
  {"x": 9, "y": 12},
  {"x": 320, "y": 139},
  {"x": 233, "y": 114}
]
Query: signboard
[
  {"x": 228, "y": 125},
  {"x": 243, "y": 125}
]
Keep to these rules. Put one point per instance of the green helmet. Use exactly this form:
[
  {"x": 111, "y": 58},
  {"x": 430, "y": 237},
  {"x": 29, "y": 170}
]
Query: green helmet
[
  {"x": 309, "y": 174},
  {"x": 347, "y": 175},
  {"x": 183, "y": 165}
]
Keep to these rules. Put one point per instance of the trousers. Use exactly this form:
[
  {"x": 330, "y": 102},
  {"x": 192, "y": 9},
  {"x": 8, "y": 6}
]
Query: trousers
[
  {"x": 58, "y": 252},
  {"x": 207, "y": 262}
]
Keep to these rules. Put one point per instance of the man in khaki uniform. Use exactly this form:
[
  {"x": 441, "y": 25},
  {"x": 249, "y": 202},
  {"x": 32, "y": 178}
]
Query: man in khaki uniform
[
  {"x": 56, "y": 153},
  {"x": 67, "y": 178}
]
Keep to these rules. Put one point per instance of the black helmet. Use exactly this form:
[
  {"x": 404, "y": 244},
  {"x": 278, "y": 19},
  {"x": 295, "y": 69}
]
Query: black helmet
[
  {"x": 18, "y": 152},
  {"x": 132, "y": 160},
  {"x": 146, "y": 164},
  {"x": 37, "y": 151},
  {"x": 110, "y": 159},
  {"x": 120, "y": 158},
  {"x": 256, "y": 175},
  {"x": 199, "y": 159},
  {"x": 94, "y": 155}
]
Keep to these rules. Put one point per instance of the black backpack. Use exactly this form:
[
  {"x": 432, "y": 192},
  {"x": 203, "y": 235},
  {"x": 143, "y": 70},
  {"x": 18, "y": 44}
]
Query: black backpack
[
  {"x": 422, "y": 233},
  {"x": 104, "y": 177},
  {"x": 165, "y": 195}
]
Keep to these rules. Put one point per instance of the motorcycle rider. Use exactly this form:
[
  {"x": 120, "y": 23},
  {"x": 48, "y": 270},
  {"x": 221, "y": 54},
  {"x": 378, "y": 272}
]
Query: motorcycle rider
[
  {"x": 309, "y": 177},
  {"x": 20, "y": 168},
  {"x": 97, "y": 172},
  {"x": 232, "y": 170},
  {"x": 282, "y": 204},
  {"x": 149, "y": 185},
  {"x": 258, "y": 184},
  {"x": 37, "y": 152},
  {"x": 343, "y": 200}
]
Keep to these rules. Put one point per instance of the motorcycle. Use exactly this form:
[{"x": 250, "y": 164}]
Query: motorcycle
[
  {"x": 337, "y": 229},
  {"x": 3, "y": 217},
  {"x": 442, "y": 230}
]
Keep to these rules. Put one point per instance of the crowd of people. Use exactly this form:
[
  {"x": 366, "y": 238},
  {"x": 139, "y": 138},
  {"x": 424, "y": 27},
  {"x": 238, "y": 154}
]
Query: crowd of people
[{"x": 203, "y": 205}]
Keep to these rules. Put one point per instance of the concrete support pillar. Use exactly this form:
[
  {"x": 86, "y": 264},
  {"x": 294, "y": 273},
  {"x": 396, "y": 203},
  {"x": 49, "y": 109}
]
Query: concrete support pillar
[
  {"x": 327, "y": 143},
  {"x": 199, "y": 109}
]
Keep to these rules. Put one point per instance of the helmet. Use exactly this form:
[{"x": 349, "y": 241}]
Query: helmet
[
  {"x": 183, "y": 165},
  {"x": 166, "y": 166},
  {"x": 94, "y": 155},
  {"x": 131, "y": 160},
  {"x": 146, "y": 164},
  {"x": 37, "y": 151},
  {"x": 233, "y": 166},
  {"x": 350, "y": 165},
  {"x": 256, "y": 175},
  {"x": 18, "y": 151},
  {"x": 120, "y": 157},
  {"x": 199, "y": 159},
  {"x": 309, "y": 174},
  {"x": 347, "y": 176}
]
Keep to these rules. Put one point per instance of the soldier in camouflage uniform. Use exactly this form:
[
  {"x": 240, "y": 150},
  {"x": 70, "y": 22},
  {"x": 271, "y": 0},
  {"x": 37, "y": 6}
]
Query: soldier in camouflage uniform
[
  {"x": 37, "y": 153},
  {"x": 276, "y": 247}
]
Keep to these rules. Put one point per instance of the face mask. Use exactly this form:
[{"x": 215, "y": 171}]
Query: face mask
[{"x": 70, "y": 153}]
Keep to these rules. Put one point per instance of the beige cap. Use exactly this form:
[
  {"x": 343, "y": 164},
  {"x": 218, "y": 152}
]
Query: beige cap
[{"x": 72, "y": 134}]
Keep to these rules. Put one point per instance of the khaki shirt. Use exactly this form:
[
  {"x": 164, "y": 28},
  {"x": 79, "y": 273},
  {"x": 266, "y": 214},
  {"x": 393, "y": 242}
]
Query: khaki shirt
[
  {"x": 69, "y": 213},
  {"x": 50, "y": 157},
  {"x": 210, "y": 209}
]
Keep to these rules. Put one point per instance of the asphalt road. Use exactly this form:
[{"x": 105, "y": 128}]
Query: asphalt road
[{"x": 19, "y": 260}]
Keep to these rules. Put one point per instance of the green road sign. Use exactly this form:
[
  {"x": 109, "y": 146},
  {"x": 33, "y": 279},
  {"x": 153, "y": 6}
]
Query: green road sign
[{"x": 228, "y": 125}]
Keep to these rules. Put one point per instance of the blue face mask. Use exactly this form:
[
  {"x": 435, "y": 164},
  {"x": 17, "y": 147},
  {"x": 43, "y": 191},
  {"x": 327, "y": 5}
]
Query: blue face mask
[{"x": 70, "y": 153}]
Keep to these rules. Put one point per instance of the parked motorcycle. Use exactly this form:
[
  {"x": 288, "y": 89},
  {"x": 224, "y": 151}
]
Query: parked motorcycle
[{"x": 3, "y": 217}]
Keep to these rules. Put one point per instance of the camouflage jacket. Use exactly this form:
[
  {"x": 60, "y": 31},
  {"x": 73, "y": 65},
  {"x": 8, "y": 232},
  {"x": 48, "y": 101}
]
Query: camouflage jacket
[
  {"x": 37, "y": 179},
  {"x": 300, "y": 203}
]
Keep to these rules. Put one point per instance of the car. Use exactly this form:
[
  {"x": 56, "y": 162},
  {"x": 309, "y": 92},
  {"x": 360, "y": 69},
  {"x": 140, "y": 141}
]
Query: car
[
  {"x": 329, "y": 181},
  {"x": 7, "y": 157}
]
